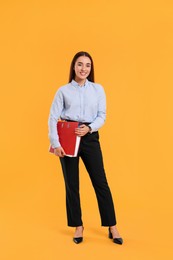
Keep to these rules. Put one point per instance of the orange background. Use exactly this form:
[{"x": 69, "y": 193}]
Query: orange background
[{"x": 132, "y": 45}]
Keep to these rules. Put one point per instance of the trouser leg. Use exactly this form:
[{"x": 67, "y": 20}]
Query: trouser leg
[
  {"x": 70, "y": 167},
  {"x": 92, "y": 157}
]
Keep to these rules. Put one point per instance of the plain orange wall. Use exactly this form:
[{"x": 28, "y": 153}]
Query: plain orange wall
[{"x": 132, "y": 46}]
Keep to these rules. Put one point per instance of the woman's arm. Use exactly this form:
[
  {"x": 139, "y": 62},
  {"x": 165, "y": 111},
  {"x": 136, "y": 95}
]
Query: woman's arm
[
  {"x": 55, "y": 112},
  {"x": 101, "y": 112}
]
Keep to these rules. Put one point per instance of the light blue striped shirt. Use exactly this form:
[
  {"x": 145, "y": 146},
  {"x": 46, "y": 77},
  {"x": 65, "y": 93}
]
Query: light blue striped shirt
[{"x": 76, "y": 103}]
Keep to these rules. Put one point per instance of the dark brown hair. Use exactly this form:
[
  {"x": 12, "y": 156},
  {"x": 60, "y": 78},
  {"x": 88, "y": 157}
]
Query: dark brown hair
[{"x": 72, "y": 72}]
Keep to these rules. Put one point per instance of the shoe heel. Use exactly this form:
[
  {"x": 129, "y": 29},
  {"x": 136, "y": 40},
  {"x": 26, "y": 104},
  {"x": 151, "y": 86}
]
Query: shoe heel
[
  {"x": 78, "y": 240},
  {"x": 109, "y": 234},
  {"x": 117, "y": 240}
]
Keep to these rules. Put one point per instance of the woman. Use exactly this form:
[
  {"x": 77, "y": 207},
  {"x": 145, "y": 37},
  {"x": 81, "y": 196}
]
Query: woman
[{"x": 83, "y": 101}]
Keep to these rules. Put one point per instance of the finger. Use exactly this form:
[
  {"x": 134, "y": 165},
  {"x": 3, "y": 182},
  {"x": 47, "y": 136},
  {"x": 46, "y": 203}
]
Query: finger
[
  {"x": 78, "y": 133},
  {"x": 61, "y": 154}
]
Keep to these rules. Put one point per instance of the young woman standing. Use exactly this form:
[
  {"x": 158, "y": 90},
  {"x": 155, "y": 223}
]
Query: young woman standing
[{"x": 83, "y": 101}]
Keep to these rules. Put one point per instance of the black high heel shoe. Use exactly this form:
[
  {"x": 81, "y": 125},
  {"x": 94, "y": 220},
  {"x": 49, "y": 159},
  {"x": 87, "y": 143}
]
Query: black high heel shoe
[
  {"x": 78, "y": 240},
  {"x": 117, "y": 240}
]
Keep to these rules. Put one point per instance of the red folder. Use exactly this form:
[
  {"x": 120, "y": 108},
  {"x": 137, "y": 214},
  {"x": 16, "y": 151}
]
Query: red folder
[{"x": 67, "y": 138}]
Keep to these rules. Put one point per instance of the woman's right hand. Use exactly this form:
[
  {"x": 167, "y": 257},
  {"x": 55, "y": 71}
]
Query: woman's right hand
[{"x": 59, "y": 151}]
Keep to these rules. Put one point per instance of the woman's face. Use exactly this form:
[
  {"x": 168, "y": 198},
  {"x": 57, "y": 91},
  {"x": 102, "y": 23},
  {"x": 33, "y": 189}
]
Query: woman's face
[{"x": 82, "y": 68}]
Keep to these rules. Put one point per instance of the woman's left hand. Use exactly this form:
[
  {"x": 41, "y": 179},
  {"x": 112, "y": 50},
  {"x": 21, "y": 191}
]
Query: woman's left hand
[{"x": 82, "y": 130}]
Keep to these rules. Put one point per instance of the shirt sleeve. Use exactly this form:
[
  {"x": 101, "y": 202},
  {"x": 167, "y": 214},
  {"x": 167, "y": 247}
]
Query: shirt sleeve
[
  {"x": 101, "y": 113},
  {"x": 55, "y": 112}
]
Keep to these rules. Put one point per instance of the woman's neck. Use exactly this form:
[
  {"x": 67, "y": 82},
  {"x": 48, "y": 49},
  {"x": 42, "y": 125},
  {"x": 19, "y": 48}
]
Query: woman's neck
[{"x": 80, "y": 82}]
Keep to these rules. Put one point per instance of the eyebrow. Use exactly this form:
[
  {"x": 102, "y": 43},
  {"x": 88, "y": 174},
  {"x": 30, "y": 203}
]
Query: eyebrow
[{"x": 82, "y": 62}]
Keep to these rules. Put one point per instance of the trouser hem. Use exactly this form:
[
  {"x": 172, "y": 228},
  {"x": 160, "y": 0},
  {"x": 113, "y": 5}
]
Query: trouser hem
[{"x": 109, "y": 225}]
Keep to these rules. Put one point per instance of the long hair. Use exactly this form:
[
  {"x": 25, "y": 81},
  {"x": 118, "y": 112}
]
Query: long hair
[{"x": 72, "y": 72}]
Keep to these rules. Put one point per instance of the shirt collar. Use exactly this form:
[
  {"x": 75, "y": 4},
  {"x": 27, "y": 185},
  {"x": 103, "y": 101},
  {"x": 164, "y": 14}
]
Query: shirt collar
[{"x": 75, "y": 84}]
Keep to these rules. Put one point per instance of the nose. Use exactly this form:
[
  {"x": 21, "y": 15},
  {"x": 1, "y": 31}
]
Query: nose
[{"x": 83, "y": 68}]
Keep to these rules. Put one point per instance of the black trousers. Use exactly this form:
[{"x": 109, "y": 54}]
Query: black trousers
[{"x": 91, "y": 155}]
